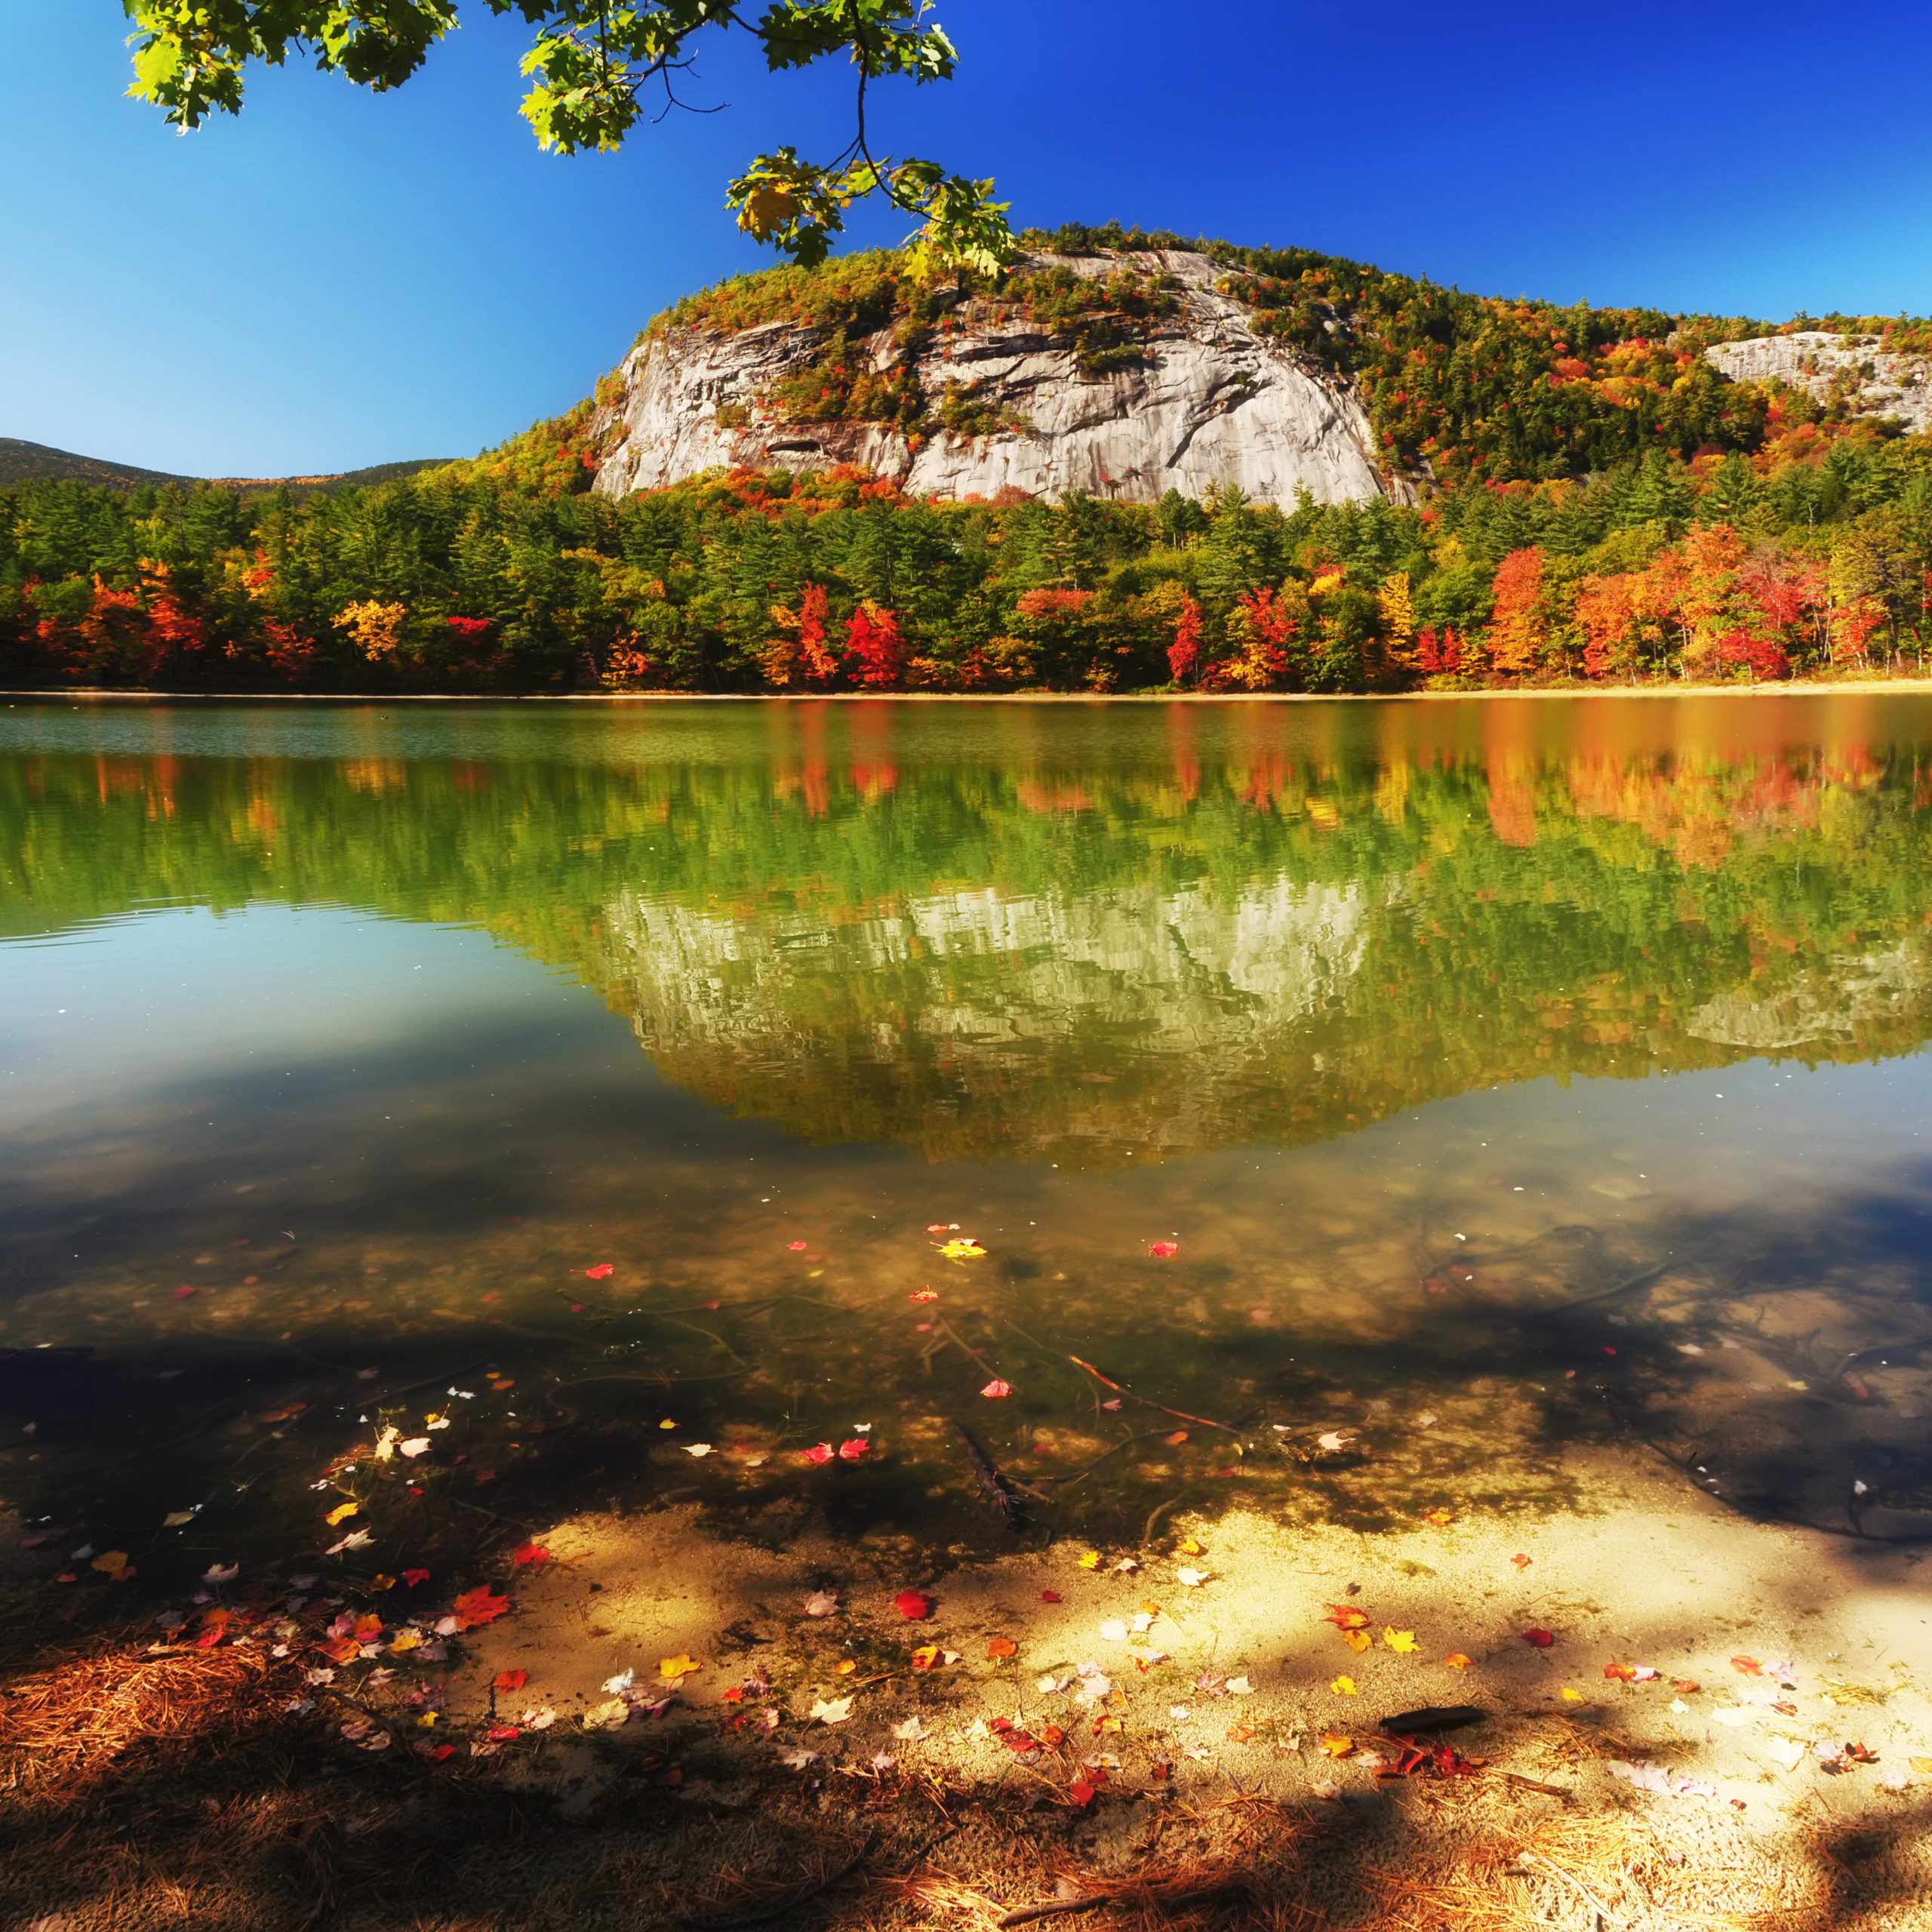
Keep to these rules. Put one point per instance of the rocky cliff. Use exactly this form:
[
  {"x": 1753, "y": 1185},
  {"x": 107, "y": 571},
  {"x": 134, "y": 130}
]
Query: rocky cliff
[
  {"x": 1202, "y": 399},
  {"x": 1871, "y": 382}
]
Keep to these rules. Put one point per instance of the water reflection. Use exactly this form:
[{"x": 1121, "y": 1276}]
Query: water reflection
[{"x": 1366, "y": 1004}]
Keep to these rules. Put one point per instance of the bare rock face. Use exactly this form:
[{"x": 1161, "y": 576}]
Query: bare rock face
[
  {"x": 1212, "y": 402},
  {"x": 1895, "y": 385}
]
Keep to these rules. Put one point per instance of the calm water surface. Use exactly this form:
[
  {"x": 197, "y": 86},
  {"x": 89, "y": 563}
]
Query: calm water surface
[{"x": 1506, "y": 1074}]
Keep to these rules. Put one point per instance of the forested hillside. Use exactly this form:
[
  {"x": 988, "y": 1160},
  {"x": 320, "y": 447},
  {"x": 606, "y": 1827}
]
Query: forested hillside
[{"x": 1595, "y": 501}]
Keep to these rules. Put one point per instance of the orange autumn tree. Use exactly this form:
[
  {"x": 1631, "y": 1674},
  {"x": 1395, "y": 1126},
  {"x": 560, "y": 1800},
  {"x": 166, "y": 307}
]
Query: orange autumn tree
[{"x": 1518, "y": 628}]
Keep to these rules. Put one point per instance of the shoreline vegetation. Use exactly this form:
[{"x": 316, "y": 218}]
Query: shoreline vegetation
[{"x": 1596, "y": 506}]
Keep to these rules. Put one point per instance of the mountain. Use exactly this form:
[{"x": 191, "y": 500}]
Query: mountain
[
  {"x": 36, "y": 463},
  {"x": 1123, "y": 364}
]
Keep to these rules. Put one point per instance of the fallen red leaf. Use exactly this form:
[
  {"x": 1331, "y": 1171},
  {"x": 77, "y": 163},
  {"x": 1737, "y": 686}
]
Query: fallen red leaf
[
  {"x": 603, "y": 1270},
  {"x": 1620, "y": 1670},
  {"x": 180, "y": 1293},
  {"x": 911, "y": 1604},
  {"x": 855, "y": 1449},
  {"x": 532, "y": 1553},
  {"x": 1081, "y": 1792},
  {"x": 939, "y": 1227},
  {"x": 1540, "y": 1640},
  {"x": 996, "y": 1389},
  {"x": 1050, "y": 1596},
  {"x": 924, "y": 1295},
  {"x": 512, "y": 1680},
  {"x": 479, "y": 1606},
  {"x": 1522, "y": 1561},
  {"x": 821, "y": 1453},
  {"x": 1002, "y": 1646},
  {"x": 1162, "y": 1249},
  {"x": 436, "y": 1753},
  {"x": 797, "y": 1247},
  {"x": 412, "y": 1577},
  {"x": 1344, "y": 1616},
  {"x": 1750, "y": 1667},
  {"x": 502, "y": 1734}
]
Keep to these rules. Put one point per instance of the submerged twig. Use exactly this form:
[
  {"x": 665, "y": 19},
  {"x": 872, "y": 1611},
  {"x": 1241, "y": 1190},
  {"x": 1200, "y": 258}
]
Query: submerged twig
[{"x": 1205, "y": 1422}]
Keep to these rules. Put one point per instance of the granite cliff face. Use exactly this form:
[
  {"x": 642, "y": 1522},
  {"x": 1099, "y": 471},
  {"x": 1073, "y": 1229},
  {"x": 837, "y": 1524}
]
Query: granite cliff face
[
  {"x": 1876, "y": 384},
  {"x": 1211, "y": 401}
]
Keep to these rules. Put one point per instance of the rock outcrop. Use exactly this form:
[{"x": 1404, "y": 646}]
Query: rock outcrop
[
  {"x": 1900, "y": 386},
  {"x": 1212, "y": 402}
]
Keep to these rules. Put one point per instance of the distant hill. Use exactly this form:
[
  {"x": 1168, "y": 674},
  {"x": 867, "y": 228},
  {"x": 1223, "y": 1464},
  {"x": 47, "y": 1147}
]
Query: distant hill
[{"x": 35, "y": 463}]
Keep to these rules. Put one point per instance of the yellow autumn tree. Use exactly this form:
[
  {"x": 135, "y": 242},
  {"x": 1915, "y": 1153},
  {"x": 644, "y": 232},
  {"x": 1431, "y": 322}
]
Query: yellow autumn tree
[
  {"x": 376, "y": 628},
  {"x": 1518, "y": 630}
]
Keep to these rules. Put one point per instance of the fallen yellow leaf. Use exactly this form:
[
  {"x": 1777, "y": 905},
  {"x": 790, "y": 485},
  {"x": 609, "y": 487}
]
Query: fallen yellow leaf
[
  {"x": 1190, "y": 1548},
  {"x": 1346, "y": 1687},
  {"x": 1570, "y": 1697},
  {"x": 109, "y": 1561},
  {"x": 1091, "y": 1560},
  {"x": 1440, "y": 1516},
  {"x": 1336, "y": 1744},
  {"x": 1358, "y": 1640},
  {"x": 406, "y": 1638},
  {"x": 925, "y": 1656},
  {"x": 342, "y": 1513},
  {"x": 1402, "y": 1642},
  {"x": 1456, "y": 1661},
  {"x": 1923, "y": 1766},
  {"x": 674, "y": 1668},
  {"x": 846, "y": 1668}
]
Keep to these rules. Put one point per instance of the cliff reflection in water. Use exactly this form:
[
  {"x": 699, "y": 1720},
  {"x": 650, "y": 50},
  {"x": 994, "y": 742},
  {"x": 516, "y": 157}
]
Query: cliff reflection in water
[{"x": 1060, "y": 933}]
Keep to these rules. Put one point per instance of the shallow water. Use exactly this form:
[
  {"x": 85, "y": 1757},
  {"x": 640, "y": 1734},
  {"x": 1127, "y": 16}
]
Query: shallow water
[{"x": 1507, "y": 1074}]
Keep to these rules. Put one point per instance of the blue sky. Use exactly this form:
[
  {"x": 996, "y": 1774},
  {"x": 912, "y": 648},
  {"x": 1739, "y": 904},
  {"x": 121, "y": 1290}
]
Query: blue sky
[{"x": 340, "y": 278}]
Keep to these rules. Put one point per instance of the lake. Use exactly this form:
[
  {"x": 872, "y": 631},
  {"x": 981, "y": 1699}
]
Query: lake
[{"x": 1355, "y": 1104}]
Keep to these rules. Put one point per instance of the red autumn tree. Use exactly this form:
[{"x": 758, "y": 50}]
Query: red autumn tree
[
  {"x": 1439, "y": 653},
  {"x": 1185, "y": 652},
  {"x": 819, "y": 667},
  {"x": 872, "y": 639},
  {"x": 1518, "y": 630}
]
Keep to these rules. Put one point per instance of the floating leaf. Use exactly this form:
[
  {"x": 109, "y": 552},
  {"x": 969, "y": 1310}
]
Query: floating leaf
[
  {"x": 173, "y": 1520},
  {"x": 960, "y": 1249},
  {"x": 342, "y": 1513},
  {"x": 996, "y": 1390},
  {"x": 1177, "y": 1439},
  {"x": 1402, "y": 1642},
  {"x": 217, "y": 1573},
  {"x": 1456, "y": 1660},
  {"x": 820, "y": 1453},
  {"x": 1332, "y": 1440},
  {"x": 698, "y": 1449},
  {"x": 797, "y": 1247},
  {"x": 672, "y": 1668},
  {"x": 1346, "y": 1687},
  {"x": 854, "y": 1451},
  {"x": 1163, "y": 1251},
  {"x": 112, "y": 1563},
  {"x": 602, "y": 1271},
  {"x": 417, "y": 1445},
  {"x": 923, "y": 1294},
  {"x": 912, "y": 1605}
]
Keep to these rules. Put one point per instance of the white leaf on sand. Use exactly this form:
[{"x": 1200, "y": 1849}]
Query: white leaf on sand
[
  {"x": 979, "y": 1728},
  {"x": 1094, "y": 1688},
  {"x": 1333, "y": 1440},
  {"x": 821, "y": 1603},
  {"x": 1645, "y": 1775},
  {"x": 1327, "y": 1788},
  {"x": 1239, "y": 1687},
  {"x": 911, "y": 1731},
  {"x": 1679, "y": 1707},
  {"x": 619, "y": 1685},
  {"x": 321, "y": 1674},
  {"x": 300, "y": 1706},
  {"x": 1126, "y": 1566},
  {"x": 1427, "y": 1419},
  {"x": 1151, "y": 1658},
  {"x": 1193, "y": 1579},
  {"x": 417, "y": 1445},
  {"x": 832, "y": 1710},
  {"x": 1049, "y": 1685},
  {"x": 1787, "y": 1752},
  {"x": 608, "y": 1716},
  {"x": 1732, "y": 1715},
  {"x": 884, "y": 1761},
  {"x": 539, "y": 1719},
  {"x": 797, "y": 1761},
  {"x": 697, "y": 1448},
  {"x": 1142, "y": 1622},
  {"x": 1180, "y": 1713},
  {"x": 217, "y": 1573},
  {"x": 1113, "y": 1631},
  {"x": 1198, "y": 1751}
]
